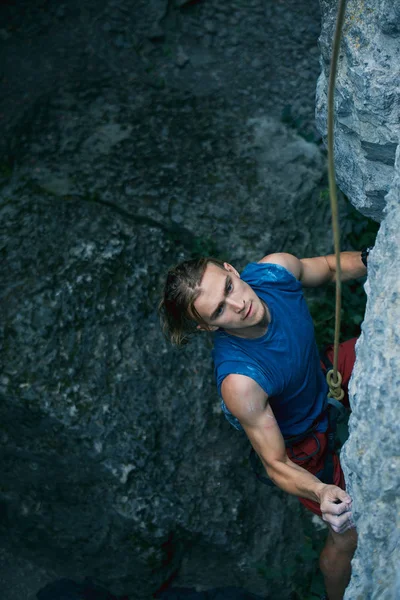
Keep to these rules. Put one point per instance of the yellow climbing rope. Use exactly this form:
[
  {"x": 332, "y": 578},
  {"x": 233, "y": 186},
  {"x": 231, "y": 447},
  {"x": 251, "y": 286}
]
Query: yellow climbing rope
[{"x": 333, "y": 377}]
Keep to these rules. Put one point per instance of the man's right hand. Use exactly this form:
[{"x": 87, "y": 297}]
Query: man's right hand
[{"x": 335, "y": 505}]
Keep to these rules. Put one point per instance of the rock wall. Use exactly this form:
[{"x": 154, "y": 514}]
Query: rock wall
[
  {"x": 370, "y": 457},
  {"x": 116, "y": 459},
  {"x": 367, "y": 98},
  {"x": 367, "y": 135},
  {"x": 126, "y": 158}
]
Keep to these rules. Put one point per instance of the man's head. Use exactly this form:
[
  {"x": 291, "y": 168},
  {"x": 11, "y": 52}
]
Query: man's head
[
  {"x": 207, "y": 294},
  {"x": 182, "y": 287}
]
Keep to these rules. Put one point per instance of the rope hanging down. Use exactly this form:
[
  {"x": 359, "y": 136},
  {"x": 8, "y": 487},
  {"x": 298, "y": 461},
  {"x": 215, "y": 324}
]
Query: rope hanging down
[{"x": 333, "y": 377}]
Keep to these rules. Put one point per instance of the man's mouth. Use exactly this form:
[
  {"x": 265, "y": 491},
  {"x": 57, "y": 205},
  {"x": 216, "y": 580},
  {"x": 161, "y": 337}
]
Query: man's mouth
[{"x": 248, "y": 311}]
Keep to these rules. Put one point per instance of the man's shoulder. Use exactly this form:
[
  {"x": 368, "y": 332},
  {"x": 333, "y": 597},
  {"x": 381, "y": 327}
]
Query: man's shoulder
[
  {"x": 242, "y": 395},
  {"x": 243, "y": 386},
  {"x": 273, "y": 269},
  {"x": 285, "y": 260}
]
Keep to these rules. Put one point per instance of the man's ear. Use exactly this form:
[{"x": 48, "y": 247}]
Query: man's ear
[
  {"x": 207, "y": 327},
  {"x": 231, "y": 269}
]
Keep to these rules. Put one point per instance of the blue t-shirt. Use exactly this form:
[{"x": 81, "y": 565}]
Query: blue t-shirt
[{"x": 285, "y": 360}]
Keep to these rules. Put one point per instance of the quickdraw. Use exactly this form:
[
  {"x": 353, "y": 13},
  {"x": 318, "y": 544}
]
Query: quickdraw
[{"x": 335, "y": 389}]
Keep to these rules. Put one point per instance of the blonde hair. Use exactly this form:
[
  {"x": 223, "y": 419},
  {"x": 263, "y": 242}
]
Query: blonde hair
[{"x": 182, "y": 288}]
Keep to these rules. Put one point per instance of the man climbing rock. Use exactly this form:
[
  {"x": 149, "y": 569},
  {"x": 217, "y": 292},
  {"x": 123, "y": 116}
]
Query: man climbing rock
[{"x": 270, "y": 377}]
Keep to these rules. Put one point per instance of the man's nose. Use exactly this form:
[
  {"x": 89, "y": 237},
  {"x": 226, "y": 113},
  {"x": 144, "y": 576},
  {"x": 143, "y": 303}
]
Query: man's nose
[{"x": 237, "y": 305}]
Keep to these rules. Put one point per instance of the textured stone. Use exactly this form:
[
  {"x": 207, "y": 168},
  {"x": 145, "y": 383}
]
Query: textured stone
[
  {"x": 367, "y": 98},
  {"x": 367, "y": 136},
  {"x": 116, "y": 461},
  {"x": 370, "y": 457}
]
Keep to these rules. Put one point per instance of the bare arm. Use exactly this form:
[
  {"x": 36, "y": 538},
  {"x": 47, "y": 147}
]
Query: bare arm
[
  {"x": 316, "y": 271},
  {"x": 249, "y": 403}
]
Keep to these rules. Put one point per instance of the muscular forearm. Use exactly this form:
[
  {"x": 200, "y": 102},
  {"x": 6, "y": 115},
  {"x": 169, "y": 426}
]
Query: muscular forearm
[
  {"x": 350, "y": 263},
  {"x": 295, "y": 480},
  {"x": 322, "y": 269},
  {"x": 335, "y": 503}
]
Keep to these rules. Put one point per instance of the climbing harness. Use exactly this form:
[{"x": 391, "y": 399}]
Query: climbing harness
[{"x": 333, "y": 406}]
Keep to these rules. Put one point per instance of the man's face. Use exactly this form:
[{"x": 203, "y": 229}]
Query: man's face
[{"x": 228, "y": 302}]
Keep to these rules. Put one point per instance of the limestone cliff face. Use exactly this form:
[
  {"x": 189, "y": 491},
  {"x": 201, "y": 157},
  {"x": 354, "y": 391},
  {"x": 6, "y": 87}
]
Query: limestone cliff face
[
  {"x": 367, "y": 99},
  {"x": 370, "y": 458},
  {"x": 367, "y": 135}
]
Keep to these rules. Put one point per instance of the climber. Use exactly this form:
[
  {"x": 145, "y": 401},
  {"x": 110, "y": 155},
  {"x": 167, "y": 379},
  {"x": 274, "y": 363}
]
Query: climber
[{"x": 269, "y": 375}]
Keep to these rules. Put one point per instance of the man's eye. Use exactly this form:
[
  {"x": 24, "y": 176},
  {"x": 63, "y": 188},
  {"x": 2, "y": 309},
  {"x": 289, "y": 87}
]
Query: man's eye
[
  {"x": 219, "y": 311},
  {"x": 229, "y": 288}
]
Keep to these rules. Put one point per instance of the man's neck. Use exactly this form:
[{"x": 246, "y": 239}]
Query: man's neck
[{"x": 254, "y": 331}]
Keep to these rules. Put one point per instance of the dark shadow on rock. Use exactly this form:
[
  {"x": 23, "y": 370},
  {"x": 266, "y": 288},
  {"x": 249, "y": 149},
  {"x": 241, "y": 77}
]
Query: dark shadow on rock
[
  {"x": 229, "y": 593},
  {"x": 67, "y": 589}
]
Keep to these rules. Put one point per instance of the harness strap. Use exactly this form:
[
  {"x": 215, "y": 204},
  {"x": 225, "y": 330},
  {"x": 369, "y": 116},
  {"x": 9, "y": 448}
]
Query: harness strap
[
  {"x": 308, "y": 455},
  {"x": 338, "y": 406}
]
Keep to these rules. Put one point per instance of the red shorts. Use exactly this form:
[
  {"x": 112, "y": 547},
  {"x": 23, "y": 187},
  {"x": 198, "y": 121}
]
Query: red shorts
[{"x": 308, "y": 446}]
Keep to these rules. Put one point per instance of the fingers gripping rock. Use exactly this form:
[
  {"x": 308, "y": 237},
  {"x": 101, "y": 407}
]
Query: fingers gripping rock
[{"x": 336, "y": 509}]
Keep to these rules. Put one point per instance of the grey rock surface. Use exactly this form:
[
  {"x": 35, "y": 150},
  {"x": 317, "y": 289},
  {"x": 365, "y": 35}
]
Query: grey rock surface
[
  {"x": 114, "y": 451},
  {"x": 21, "y": 578},
  {"x": 367, "y": 136},
  {"x": 370, "y": 457},
  {"x": 143, "y": 137},
  {"x": 367, "y": 98}
]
